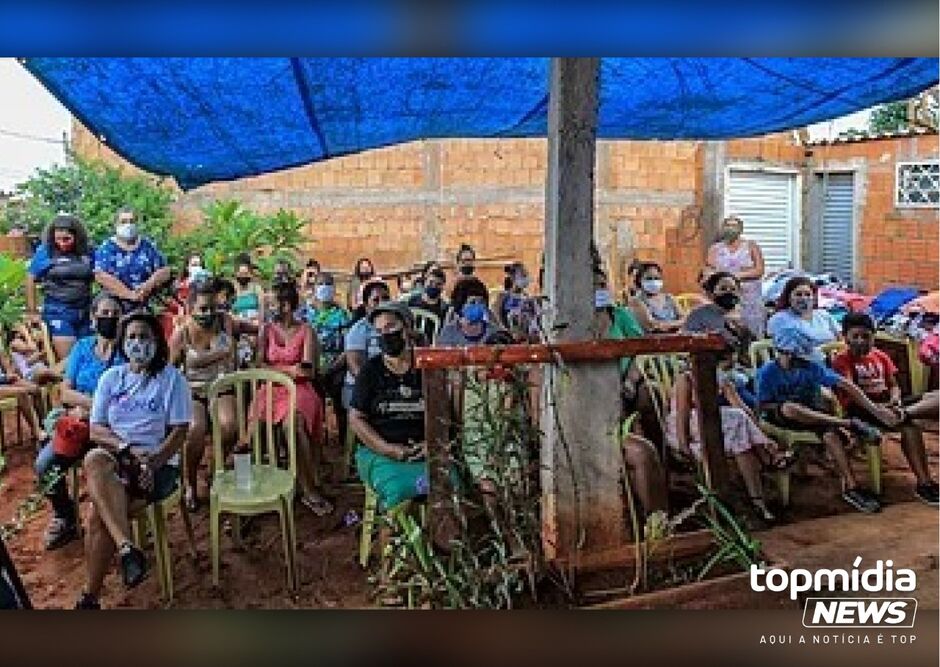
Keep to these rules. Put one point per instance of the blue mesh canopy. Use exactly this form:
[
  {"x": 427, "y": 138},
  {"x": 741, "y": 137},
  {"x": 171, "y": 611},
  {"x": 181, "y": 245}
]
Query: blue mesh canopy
[{"x": 209, "y": 119}]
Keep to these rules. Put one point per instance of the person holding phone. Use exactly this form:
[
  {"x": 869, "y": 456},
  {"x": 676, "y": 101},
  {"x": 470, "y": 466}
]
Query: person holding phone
[{"x": 387, "y": 412}]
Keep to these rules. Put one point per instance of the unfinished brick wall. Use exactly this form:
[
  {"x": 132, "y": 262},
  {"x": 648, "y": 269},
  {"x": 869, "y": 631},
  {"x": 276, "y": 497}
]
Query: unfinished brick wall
[
  {"x": 896, "y": 246},
  {"x": 403, "y": 204}
]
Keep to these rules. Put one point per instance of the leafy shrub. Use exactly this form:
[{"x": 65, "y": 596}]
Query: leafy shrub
[{"x": 12, "y": 290}]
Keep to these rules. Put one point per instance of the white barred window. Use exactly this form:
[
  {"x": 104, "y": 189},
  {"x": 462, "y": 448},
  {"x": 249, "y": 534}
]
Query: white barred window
[{"x": 918, "y": 184}]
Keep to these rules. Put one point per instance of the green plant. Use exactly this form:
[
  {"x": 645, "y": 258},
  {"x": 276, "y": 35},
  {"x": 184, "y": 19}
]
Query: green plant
[
  {"x": 94, "y": 191},
  {"x": 12, "y": 290},
  {"x": 889, "y": 117}
]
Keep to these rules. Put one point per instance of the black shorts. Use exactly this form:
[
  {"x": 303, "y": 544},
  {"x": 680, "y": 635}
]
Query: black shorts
[{"x": 775, "y": 417}]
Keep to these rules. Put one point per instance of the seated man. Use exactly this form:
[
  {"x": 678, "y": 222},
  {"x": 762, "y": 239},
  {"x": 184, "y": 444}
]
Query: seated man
[
  {"x": 789, "y": 396},
  {"x": 875, "y": 374}
]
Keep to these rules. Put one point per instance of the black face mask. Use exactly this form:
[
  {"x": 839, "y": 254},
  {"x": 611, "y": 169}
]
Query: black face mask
[
  {"x": 467, "y": 269},
  {"x": 243, "y": 280},
  {"x": 727, "y": 301},
  {"x": 107, "y": 327},
  {"x": 204, "y": 320},
  {"x": 393, "y": 343}
]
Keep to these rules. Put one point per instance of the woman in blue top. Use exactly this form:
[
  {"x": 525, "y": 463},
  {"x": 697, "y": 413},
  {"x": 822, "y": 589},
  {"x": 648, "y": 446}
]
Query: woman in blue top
[
  {"x": 89, "y": 359},
  {"x": 129, "y": 265},
  {"x": 65, "y": 268},
  {"x": 797, "y": 311},
  {"x": 139, "y": 419}
]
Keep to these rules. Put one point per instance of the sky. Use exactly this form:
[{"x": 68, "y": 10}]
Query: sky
[{"x": 32, "y": 123}]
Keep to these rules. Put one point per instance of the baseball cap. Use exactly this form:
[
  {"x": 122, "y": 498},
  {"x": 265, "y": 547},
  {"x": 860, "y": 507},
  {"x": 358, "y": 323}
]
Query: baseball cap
[{"x": 397, "y": 308}]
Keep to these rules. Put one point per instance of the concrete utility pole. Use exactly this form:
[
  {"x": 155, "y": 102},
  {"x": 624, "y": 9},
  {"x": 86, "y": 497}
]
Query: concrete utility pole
[{"x": 581, "y": 502}]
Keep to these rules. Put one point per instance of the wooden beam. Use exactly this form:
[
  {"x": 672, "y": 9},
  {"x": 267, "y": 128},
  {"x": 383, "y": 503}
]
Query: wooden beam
[
  {"x": 580, "y": 455},
  {"x": 437, "y": 435},
  {"x": 704, "y": 370},
  {"x": 572, "y": 351}
]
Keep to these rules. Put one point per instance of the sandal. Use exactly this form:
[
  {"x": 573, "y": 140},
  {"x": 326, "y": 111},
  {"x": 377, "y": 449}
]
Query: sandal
[
  {"x": 133, "y": 565},
  {"x": 318, "y": 505},
  {"x": 782, "y": 460},
  {"x": 760, "y": 509}
]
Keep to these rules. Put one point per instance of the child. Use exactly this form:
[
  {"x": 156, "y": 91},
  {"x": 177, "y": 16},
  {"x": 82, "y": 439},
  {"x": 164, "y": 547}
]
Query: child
[
  {"x": 789, "y": 396},
  {"x": 876, "y": 375},
  {"x": 29, "y": 358}
]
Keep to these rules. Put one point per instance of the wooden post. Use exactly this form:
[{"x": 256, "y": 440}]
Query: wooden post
[
  {"x": 437, "y": 435},
  {"x": 581, "y": 501},
  {"x": 704, "y": 368}
]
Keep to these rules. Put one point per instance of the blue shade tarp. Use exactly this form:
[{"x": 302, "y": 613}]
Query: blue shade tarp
[{"x": 210, "y": 119}]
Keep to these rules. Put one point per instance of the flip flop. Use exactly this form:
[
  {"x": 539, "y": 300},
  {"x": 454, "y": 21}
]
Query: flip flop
[
  {"x": 319, "y": 506},
  {"x": 783, "y": 460},
  {"x": 133, "y": 565}
]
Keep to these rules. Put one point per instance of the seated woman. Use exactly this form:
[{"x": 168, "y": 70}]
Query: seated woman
[
  {"x": 789, "y": 396},
  {"x": 89, "y": 358},
  {"x": 876, "y": 375},
  {"x": 248, "y": 305},
  {"x": 472, "y": 322},
  {"x": 387, "y": 412},
  {"x": 26, "y": 393},
  {"x": 742, "y": 437},
  {"x": 289, "y": 346},
  {"x": 139, "y": 417},
  {"x": 656, "y": 310},
  {"x": 514, "y": 308},
  {"x": 798, "y": 312},
  {"x": 29, "y": 357},
  {"x": 204, "y": 346}
]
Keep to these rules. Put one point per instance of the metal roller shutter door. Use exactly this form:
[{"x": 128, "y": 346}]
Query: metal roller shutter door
[
  {"x": 837, "y": 230},
  {"x": 764, "y": 201}
]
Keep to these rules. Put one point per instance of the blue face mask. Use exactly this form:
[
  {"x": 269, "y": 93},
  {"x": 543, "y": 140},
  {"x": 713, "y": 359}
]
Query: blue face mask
[
  {"x": 474, "y": 313},
  {"x": 433, "y": 292}
]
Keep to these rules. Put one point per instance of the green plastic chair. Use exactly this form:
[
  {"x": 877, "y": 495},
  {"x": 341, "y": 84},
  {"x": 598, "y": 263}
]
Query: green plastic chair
[
  {"x": 427, "y": 323},
  {"x": 155, "y": 514},
  {"x": 273, "y": 487},
  {"x": 370, "y": 516}
]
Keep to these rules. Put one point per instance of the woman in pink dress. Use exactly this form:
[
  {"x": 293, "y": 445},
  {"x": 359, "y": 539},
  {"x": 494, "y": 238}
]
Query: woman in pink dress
[
  {"x": 744, "y": 260},
  {"x": 290, "y": 346}
]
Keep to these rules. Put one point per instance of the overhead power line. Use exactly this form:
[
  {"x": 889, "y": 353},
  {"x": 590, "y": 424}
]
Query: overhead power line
[{"x": 30, "y": 137}]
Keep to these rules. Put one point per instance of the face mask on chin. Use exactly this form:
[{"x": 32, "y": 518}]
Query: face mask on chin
[
  {"x": 652, "y": 285},
  {"x": 140, "y": 351},
  {"x": 126, "y": 231},
  {"x": 802, "y": 304}
]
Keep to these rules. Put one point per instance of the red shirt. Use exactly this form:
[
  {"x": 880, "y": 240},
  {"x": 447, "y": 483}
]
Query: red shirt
[{"x": 870, "y": 373}]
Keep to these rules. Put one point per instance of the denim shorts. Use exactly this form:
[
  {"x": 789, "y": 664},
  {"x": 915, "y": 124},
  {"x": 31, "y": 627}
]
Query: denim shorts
[{"x": 66, "y": 321}]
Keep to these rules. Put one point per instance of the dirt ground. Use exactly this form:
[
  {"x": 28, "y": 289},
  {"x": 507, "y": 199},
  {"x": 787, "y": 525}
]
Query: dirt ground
[{"x": 819, "y": 530}]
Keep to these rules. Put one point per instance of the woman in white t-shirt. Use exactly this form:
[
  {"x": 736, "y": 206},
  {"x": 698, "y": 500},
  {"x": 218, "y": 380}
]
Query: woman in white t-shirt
[
  {"x": 797, "y": 310},
  {"x": 139, "y": 418}
]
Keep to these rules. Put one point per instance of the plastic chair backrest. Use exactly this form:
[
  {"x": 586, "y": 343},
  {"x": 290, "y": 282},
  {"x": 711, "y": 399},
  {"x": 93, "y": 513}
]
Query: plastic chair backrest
[
  {"x": 760, "y": 352},
  {"x": 660, "y": 371},
  {"x": 427, "y": 323},
  {"x": 687, "y": 301},
  {"x": 833, "y": 348},
  {"x": 249, "y": 383}
]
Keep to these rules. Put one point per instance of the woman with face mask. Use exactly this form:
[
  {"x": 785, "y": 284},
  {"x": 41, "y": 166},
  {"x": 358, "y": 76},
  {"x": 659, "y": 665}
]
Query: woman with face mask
[
  {"x": 204, "y": 346},
  {"x": 387, "y": 412},
  {"x": 655, "y": 310},
  {"x": 514, "y": 308},
  {"x": 430, "y": 297},
  {"x": 363, "y": 273},
  {"x": 140, "y": 414},
  {"x": 89, "y": 358},
  {"x": 797, "y": 310},
  {"x": 743, "y": 259},
  {"x": 249, "y": 294},
  {"x": 472, "y": 323},
  {"x": 128, "y": 265},
  {"x": 64, "y": 265},
  {"x": 289, "y": 346},
  {"x": 722, "y": 314},
  {"x": 466, "y": 260},
  {"x": 330, "y": 321}
]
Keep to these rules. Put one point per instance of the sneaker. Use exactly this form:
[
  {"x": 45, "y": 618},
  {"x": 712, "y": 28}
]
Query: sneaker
[
  {"x": 88, "y": 601},
  {"x": 929, "y": 492},
  {"x": 133, "y": 565},
  {"x": 865, "y": 431},
  {"x": 862, "y": 500},
  {"x": 59, "y": 533}
]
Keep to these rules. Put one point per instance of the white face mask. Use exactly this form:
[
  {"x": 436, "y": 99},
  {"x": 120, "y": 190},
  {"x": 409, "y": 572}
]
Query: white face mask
[
  {"x": 602, "y": 298},
  {"x": 652, "y": 285},
  {"x": 126, "y": 231},
  {"x": 324, "y": 293}
]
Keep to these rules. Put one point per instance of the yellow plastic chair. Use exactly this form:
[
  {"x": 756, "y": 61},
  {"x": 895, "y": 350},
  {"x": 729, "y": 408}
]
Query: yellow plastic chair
[
  {"x": 660, "y": 370},
  {"x": 687, "y": 301},
  {"x": 273, "y": 487},
  {"x": 370, "y": 516},
  {"x": 155, "y": 514},
  {"x": 760, "y": 352},
  {"x": 427, "y": 323}
]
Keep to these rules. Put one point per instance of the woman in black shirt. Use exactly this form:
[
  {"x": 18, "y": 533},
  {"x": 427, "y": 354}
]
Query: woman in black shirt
[{"x": 387, "y": 412}]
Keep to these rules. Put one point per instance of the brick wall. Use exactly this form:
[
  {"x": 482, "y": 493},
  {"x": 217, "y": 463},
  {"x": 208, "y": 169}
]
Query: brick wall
[
  {"x": 896, "y": 246},
  {"x": 655, "y": 200}
]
